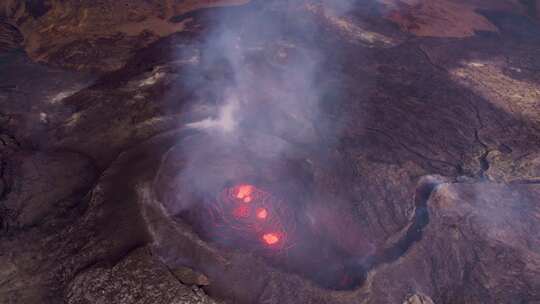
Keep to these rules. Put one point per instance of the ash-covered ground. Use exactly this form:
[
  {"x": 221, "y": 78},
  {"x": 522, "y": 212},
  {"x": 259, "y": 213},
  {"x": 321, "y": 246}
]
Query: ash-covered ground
[{"x": 278, "y": 151}]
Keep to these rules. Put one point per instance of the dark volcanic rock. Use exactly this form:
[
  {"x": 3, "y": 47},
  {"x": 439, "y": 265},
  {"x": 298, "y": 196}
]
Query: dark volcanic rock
[
  {"x": 97, "y": 36},
  {"x": 138, "y": 278},
  {"x": 413, "y": 169},
  {"x": 418, "y": 299},
  {"x": 481, "y": 245},
  {"x": 41, "y": 180},
  {"x": 10, "y": 37}
]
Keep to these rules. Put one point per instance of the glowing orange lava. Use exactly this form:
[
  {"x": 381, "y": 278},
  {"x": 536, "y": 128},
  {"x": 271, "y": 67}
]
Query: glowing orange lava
[
  {"x": 246, "y": 212},
  {"x": 244, "y": 193},
  {"x": 242, "y": 211},
  {"x": 270, "y": 238},
  {"x": 262, "y": 213}
]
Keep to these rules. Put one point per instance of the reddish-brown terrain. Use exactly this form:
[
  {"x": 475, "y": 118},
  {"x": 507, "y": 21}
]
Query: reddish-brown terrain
[{"x": 394, "y": 146}]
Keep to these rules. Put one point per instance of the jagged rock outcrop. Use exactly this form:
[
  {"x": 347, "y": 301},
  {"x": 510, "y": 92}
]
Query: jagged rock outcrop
[
  {"x": 138, "y": 278},
  {"x": 418, "y": 299}
]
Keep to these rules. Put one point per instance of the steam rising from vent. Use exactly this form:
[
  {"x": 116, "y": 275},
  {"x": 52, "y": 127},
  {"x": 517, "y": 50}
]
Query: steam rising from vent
[
  {"x": 226, "y": 120},
  {"x": 270, "y": 84},
  {"x": 245, "y": 180}
]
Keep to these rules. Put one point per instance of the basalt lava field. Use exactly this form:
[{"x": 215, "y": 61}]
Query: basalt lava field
[{"x": 270, "y": 151}]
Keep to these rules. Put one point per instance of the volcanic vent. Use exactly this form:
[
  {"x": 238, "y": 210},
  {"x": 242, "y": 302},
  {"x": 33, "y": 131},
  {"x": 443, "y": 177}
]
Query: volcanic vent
[
  {"x": 262, "y": 208},
  {"x": 245, "y": 213}
]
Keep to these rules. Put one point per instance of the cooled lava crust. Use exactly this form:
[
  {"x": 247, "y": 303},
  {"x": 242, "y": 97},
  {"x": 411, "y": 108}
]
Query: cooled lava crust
[{"x": 404, "y": 169}]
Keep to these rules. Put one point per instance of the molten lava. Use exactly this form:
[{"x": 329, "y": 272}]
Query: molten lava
[
  {"x": 241, "y": 211},
  {"x": 270, "y": 238},
  {"x": 262, "y": 213},
  {"x": 250, "y": 215},
  {"x": 244, "y": 193}
]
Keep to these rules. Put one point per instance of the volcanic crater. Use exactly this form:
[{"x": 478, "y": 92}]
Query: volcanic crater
[
  {"x": 269, "y": 152},
  {"x": 261, "y": 206}
]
